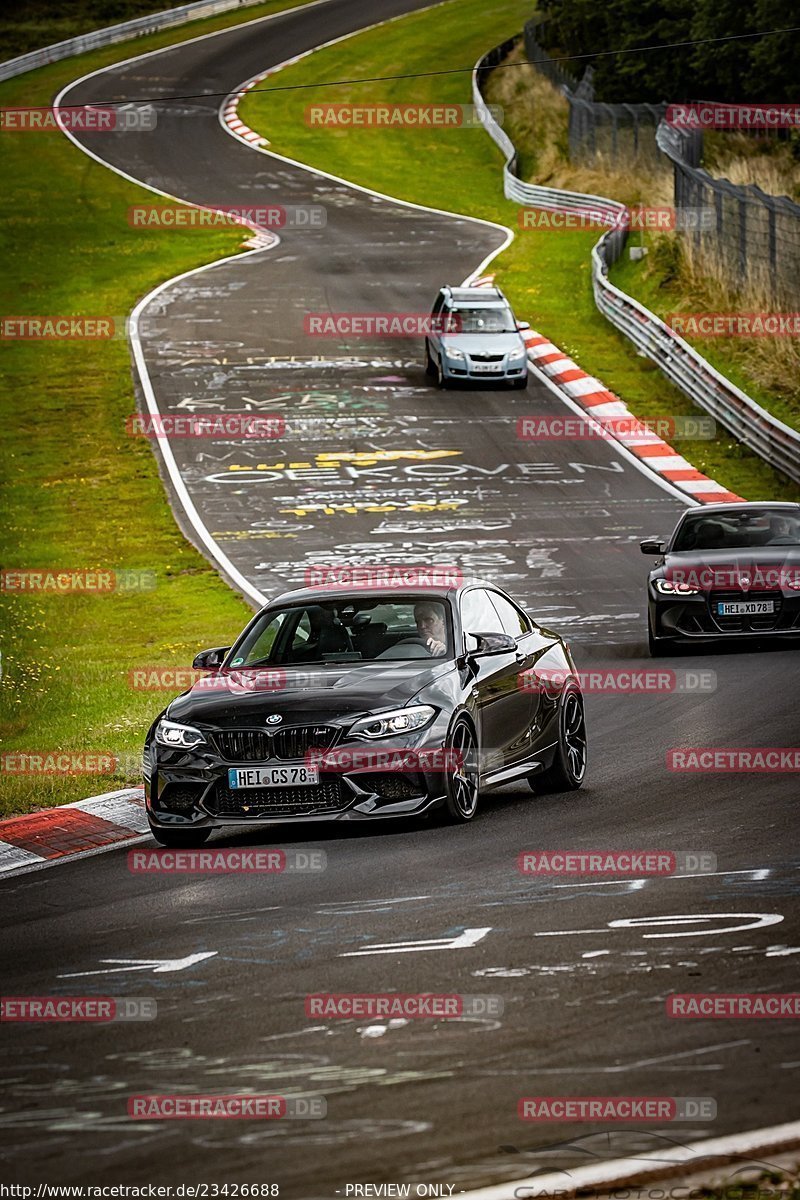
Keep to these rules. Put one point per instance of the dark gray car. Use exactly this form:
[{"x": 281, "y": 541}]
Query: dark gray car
[{"x": 351, "y": 705}]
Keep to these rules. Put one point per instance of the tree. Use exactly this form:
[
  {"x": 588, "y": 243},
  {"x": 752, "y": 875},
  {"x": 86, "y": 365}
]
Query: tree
[
  {"x": 721, "y": 70},
  {"x": 775, "y": 61},
  {"x": 764, "y": 69}
]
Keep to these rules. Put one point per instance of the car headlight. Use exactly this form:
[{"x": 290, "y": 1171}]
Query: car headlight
[
  {"x": 517, "y": 354},
  {"x": 399, "y": 720},
  {"x": 179, "y": 737},
  {"x": 451, "y": 352},
  {"x": 668, "y": 588}
]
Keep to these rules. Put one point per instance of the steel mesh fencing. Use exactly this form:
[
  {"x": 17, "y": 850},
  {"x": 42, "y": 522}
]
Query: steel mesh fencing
[{"x": 775, "y": 442}]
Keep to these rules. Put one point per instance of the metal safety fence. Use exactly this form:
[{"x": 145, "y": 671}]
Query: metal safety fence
[
  {"x": 754, "y": 240},
  {"x": 596, "y": 130},
  {"x": 775, "y": 442},
  {"x": 122, "y": 32},
  {"x": 755, "y": 236}
]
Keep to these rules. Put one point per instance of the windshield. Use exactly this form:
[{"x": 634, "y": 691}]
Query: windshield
[
  {"x": 347, "y": 629},
  {"x": 738, "y": 530},
  {"x": 497, "y": 319}
]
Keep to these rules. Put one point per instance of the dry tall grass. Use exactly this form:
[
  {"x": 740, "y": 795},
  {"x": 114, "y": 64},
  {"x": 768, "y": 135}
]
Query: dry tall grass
[
  {"x": 689, "y": 278},
  {"x": 765, "y": 161}
]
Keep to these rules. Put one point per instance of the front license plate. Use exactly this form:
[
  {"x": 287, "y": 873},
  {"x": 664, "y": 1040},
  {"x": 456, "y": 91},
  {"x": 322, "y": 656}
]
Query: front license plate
[
  {"x": 487, "y": 368},
  {"x": 289, "y": 775},
  {"x": 736, "y": 608}
]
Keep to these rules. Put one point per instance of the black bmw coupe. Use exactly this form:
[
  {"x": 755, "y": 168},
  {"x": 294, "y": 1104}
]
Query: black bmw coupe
[
  {"x": 356, "y": 704},
  {"x": 728, "y": 572}
]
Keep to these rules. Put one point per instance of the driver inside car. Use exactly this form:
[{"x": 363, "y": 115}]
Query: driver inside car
[
  {"x": 782, "y": 530},
  {"x": 429, "y": 619}
]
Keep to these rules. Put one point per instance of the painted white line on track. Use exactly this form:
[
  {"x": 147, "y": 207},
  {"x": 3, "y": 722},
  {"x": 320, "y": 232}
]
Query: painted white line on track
[
  {"x": 41, "y": 864},
  {"x": 43, "y": 831},
  {"x": 662, "y": 1163},
  {"x": 234, "y": 96},
  {"x": 619, "y": 448},
  {"x": 14, "y": 860},
  {"x": 465, "y": 940},
  {"x": 616, "y": 407},
  {"x": 214, "y": 551},
  {"x": 756, "y": 1141}
]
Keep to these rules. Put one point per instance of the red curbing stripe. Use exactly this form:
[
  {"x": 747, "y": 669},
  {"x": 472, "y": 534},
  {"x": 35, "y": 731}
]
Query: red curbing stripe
[
  {"x": 626, "y": 437},
  {"x": 556, "y": 356},
  {"x": 631, "y": 428},
  {"x": 718, "y": 497},
  {"x": 569, "y": 375},
  {"x": 656, "y": 450},
  {"x": 60, "y": 831},
  {"x": 675, "y": 474}
]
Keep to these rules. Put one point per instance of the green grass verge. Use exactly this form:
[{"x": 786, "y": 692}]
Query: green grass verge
[
  {"x": 653, "y": 285},
  {"x": 546, "y": 274},
  {"x": 76, "y": 490},
  {"x": 673, "y": 277}
]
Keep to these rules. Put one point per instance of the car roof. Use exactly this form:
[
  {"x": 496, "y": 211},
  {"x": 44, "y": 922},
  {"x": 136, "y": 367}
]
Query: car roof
[
  {"x": 750, "y": 505},
  {"x": 338, "y": 591},
  {"x": 476, "y": 295}
]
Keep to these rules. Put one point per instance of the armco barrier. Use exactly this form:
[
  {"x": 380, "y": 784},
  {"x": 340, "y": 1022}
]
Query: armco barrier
[
  {"x": 118, "y": 33},
  {"x": 776, "y": 443}
]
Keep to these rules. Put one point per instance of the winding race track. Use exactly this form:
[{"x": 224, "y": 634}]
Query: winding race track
[{"x": 377, "y": 466}]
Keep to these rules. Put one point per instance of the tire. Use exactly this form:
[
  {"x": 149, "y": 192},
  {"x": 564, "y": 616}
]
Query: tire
[
  {"x": 519, "y": 384},
  {"x": 462, "y": 785},
  {"x": 568, "y": 769},
  {"x": 657, "y": 648},
  {"x": 441, "y": 380},
  {"x": 430, "y": 369},
  {"x": 180, "y": 839}
]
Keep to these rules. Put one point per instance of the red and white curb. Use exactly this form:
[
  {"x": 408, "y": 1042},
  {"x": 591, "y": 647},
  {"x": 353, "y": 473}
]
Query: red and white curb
[
  {"x": 71, "y": 831},
  {"x": 615, "y": 419},
  {"x": 230, "y": 116},
  {"x": 229, "y": 113}
]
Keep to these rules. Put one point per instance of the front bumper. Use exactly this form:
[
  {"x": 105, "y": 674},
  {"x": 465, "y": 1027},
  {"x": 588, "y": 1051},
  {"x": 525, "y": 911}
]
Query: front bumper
[
  {"x": 189, "y": 790},
  {"x": 696, "y": 618},
  {"x": 467, "y": 368}
]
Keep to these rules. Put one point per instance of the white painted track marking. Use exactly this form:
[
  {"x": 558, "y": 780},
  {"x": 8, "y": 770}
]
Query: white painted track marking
[{"x": 470, "y": 937}]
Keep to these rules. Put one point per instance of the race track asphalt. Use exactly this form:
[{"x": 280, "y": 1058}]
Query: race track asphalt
[{"x": 582, "y": 974}]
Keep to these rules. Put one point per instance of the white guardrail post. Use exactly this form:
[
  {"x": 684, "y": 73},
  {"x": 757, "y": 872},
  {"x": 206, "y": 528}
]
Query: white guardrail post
[{"x": 776, "y": 443}]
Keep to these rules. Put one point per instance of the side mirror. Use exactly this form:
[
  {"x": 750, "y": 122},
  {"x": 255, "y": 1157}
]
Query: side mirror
[
  {"x": 492, "y": 643},
  {"x": 523, "y": 325},
  {"x": 210, "y": 660},
  {"x": 652, "y": 546}
]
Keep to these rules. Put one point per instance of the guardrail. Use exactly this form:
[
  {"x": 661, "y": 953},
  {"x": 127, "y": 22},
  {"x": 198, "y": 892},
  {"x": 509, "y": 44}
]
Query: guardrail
[
  {"x": 117, "y": 33},
  {"x": 777, "y": 443}
]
